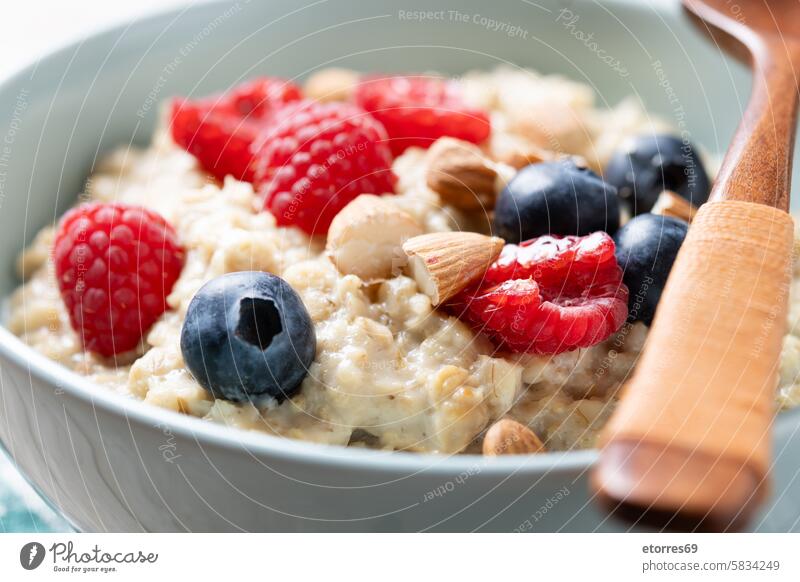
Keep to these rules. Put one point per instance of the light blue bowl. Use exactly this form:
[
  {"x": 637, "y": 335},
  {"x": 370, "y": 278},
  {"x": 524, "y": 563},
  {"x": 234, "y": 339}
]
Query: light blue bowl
[{"x": 101, "y": 459}]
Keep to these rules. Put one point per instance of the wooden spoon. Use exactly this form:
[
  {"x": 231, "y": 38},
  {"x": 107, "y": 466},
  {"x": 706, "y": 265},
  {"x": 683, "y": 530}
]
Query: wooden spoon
[{"x": 689, "y": 445}]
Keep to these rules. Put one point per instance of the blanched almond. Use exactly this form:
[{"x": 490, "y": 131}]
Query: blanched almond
[
  {"x": 508, "y": 437},
  {"x": 366, "y": 238},
  {"x": 461, "y": 174},
  {"x": 331, "y": 84},
  {"x": 671, "y": 204},
  {"x": 444, "y": 263},
  {"x": 560, "y": 128}
]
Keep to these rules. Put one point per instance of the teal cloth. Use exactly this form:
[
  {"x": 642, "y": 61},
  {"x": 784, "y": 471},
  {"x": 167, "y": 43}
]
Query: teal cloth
[{"x": 21, "y": 508}]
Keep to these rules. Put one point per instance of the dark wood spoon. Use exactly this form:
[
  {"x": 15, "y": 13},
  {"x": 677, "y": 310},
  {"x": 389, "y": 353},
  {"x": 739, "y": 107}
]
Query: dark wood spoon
[{"x": 689, "y": 445}]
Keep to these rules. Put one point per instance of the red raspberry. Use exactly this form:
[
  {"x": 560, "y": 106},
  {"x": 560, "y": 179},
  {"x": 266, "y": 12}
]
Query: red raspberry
[
  {"x": 549, "y": 295},
  {"x": 416, "y": 111},
  {"x": 318, "y": 158},
  {"x": 260, "y": 97},
  {"x": 219, "y": 131},
  {"x": 553, "y": 261},
  {"x": 115, "y": 265},
  {"x": 218, "y": 139}
]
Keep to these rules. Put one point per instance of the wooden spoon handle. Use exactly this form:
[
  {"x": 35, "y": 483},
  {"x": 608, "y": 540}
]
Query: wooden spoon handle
[
  {"x": 758, "y": 164},
  {"x": 688, "y": 446}
]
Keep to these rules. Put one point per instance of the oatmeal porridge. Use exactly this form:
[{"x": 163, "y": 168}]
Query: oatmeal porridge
[{"x": 402, "y": 359}]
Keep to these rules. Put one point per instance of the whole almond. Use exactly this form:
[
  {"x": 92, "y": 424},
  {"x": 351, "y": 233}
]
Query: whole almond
[
  {"x": 461, "y": 174},
  {"x": 366, "y": 237},
  {"x": 444, "y": 263},
  {"x": 508, "y": 437},
  {"x": 671, "y": 204},
  {"x": 331, "y": 84}
]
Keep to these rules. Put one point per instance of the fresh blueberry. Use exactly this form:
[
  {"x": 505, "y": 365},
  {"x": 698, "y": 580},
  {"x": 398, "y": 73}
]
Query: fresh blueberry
[
  {"x": 248, "y": 337},
  {"x": 647, "y": 165},
  {"x": 646, "y": 248},
  {"x": 558, "y": 198}
]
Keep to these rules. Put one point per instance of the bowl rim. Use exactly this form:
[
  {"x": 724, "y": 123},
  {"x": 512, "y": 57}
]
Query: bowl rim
[{"x": 205, "y": 432}]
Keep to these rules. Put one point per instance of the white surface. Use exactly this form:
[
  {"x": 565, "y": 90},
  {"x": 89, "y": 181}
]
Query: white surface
[{"x": 32, "y": 27}]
